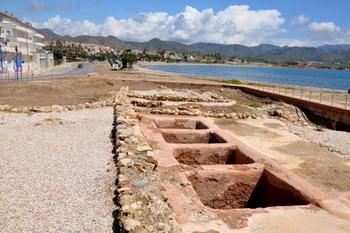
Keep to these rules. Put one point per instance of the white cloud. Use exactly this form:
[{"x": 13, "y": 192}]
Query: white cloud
[
  {"x": 64, "y": 6},
  {"x": 235, "y": 24},
  {"x": 323, "y": 27},
  {"x": 300, "y": 20},
  {"x": 320, "y": 33},
  {"x": 150, "y": 18},
  {"x": 37, "y": 6},
  {"x": 340, "y": 36},
  {"x": 64, "y": 26}
]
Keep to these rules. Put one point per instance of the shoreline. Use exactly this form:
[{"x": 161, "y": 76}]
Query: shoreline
[
  {"x": 256, "y": 64},
  {"x": 263, "y": 80},
  {"x": 323, "y": 95}
]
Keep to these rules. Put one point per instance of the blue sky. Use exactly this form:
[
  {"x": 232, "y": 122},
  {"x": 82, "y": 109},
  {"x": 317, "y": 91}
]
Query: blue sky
[{"x": 247, "y": 22}]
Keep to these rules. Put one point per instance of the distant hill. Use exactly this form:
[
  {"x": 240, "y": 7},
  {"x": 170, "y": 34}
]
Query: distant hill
[
  {"x": 110, "y": 41},
  {"x": 330, "y": 48},
  {"x": 338, "y": 53},
  {"x": 264, "y": 48},
  {"x": 229, "y": 50},
  {"x": 336, "y": 56},
  {"x": 292, "y": 54},
  {"x": 48, "y": 34},
  {"x": 155, "y": 44},
  {"x": 326, "y": 53},
  {"x": 235, "y": 50}
]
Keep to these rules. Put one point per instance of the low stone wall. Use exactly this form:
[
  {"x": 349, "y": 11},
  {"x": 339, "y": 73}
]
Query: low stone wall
[
  {"x": 335, "y": 113},
  {"x": 142, "y": 203},
  {"x": 56, "y": 108}
]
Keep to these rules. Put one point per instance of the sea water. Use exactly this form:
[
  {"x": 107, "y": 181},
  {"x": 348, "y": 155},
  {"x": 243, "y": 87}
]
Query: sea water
[{"x": 325, "y": 78}]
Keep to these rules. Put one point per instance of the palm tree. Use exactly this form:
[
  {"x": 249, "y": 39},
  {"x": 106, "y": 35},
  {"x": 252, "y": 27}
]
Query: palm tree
[
  {"x": 128, "y": 59},
  {"x": 161, "y": 52}
]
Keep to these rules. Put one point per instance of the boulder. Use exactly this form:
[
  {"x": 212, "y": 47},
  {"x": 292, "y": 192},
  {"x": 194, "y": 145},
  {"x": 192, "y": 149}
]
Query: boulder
[
  {"x": 130, "y": 224},
  {"x": 56, "y": 108}
]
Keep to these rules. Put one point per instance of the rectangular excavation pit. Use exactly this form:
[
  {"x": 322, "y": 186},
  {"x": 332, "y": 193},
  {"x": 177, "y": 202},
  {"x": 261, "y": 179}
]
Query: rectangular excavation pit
[
  {"x": 255, "y": 188},
  {"x": 192, "y": 137},
  {"x": 180, "y": 124},
  {"x": 210, "y": 155}
]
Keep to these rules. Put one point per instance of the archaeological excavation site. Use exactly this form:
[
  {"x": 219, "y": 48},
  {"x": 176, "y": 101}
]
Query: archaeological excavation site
[{"x": 184, "y": 167}]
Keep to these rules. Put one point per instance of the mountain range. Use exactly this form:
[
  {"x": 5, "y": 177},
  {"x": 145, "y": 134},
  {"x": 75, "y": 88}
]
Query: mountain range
[{"x": 327, "y": 53}]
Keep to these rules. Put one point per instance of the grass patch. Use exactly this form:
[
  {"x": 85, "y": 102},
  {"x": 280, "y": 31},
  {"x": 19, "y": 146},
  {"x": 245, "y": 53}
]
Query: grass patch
[
  {"x": 254, "y": 105},
  {"x": 231, "y": 81},
  {"x": 129, "y": 73},
  {"x": 259, "y": 85}
]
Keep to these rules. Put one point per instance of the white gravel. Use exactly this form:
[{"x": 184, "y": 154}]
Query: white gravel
[
  {"x": 57, "y": 177},
  {"x": 335, "y": 140}
]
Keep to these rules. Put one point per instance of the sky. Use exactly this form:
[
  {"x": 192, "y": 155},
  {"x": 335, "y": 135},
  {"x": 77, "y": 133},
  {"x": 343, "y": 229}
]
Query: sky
[{"x": 245, "y": 22}]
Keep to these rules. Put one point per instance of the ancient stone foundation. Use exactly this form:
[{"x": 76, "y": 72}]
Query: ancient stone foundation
[{"x": 184, "y": 174}]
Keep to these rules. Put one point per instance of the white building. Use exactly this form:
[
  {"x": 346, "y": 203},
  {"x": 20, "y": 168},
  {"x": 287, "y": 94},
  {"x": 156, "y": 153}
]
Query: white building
[{"x": 21, "y": 46}]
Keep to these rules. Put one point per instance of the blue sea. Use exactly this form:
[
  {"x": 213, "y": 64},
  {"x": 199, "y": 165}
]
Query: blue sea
[{"x": 325, "y": 78}]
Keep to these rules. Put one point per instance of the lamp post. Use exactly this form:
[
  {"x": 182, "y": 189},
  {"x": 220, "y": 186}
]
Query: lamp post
[
  {"x": 0, "y": 59},
  {"x": 28, "y": 57},
  {"x": 18, "y": 63},
  {"x": 1, "y": 69}
]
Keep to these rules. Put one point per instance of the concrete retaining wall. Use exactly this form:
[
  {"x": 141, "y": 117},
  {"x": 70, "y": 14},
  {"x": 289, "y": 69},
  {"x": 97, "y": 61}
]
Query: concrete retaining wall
[{"x": 336, "y": 113}]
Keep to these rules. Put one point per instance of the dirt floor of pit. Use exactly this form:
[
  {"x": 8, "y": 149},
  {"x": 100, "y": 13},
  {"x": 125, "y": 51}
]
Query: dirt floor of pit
[{"x": 323, "y": 168}]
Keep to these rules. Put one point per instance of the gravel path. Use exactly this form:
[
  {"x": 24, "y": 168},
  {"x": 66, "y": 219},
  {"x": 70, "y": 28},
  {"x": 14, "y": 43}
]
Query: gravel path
[
  {"x": 336, "y": 140},
  {"x": 58, "y": 176}
]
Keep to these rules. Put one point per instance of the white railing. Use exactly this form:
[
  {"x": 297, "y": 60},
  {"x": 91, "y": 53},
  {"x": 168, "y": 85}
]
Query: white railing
[{"x": 312, "y": 91}]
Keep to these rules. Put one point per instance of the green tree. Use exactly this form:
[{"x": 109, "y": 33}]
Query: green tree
[
  {"x": 161, "y": 52},
  {"x": 128, "y": 59}
]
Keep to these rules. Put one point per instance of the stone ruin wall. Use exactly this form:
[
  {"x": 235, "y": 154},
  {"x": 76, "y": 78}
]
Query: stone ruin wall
[{"x": 162, "y": 187}]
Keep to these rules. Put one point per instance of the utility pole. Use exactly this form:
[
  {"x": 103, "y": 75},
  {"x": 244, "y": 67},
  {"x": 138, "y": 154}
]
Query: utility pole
[
  {"x": 1, "y": 70},
  {"x": 1, "y": 66},
  {"x": 18, "y": 63},
  {"x": 28, "y": 57}
]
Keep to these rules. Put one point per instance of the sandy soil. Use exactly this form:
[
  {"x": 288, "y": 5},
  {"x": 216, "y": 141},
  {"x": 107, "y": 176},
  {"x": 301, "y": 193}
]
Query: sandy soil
[{"x": 322, "y": 167}]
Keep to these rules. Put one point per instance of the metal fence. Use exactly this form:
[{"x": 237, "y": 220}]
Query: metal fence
[
  {"x": 14, "y": 76},
  {"x": 26, "y": 75},
  {"x": 330, "y": 93}
]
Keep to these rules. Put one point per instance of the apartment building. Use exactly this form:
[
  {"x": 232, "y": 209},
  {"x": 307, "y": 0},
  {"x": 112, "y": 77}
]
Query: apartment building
[{"x": 21, "y": 47}]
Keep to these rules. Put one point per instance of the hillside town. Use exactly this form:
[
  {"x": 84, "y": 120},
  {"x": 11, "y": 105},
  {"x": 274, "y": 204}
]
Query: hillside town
[{"x": 23, "y": 49}]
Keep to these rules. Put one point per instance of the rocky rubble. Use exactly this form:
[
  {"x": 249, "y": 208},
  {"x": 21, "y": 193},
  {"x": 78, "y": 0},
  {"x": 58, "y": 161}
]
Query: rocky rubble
[
  {"x": 142, "y": 205},
  {"x": 154, "y": 105},
  {"x": 214, "y": 98},
  {"x": 56, "y": 108}
]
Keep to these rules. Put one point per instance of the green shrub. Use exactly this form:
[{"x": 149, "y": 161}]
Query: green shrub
[{"x": 254, "y": 105}]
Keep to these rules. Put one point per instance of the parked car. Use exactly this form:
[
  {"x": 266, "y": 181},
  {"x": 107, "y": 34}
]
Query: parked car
[{"x": 80, "y": 66}]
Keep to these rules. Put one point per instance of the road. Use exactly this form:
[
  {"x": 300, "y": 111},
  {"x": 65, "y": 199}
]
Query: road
[{"x": 69, "y": 69}]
